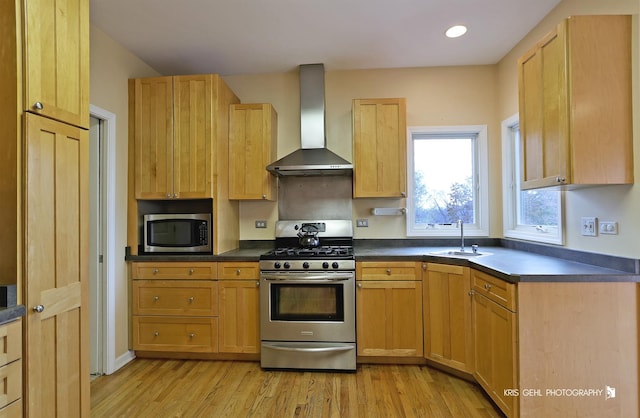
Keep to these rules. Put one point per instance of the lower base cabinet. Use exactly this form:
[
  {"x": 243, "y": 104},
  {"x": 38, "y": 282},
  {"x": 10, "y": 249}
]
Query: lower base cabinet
[
  {"x": 495, "y": 340},
  {"x": 389, "y": 309},
  {"x": 11, "y": 369}
]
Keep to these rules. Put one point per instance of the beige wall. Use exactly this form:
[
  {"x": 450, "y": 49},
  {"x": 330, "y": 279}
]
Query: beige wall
[
  {"x": 435, "y": 96},
  {"x": 111, "y": 67},
  {"x": 613, "y": 203}
]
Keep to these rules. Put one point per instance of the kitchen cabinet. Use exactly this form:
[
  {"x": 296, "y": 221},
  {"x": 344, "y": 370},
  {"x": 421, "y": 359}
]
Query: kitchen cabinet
[
  {"x": 493, "y": 309},
  {"x": 175, "y": 307},
  {"x": 575, "y": 105},
  {"x": 239, "y": 307},
  {"x": 11, "y": 368},
  {"x": 56, "y": 59},
  {"x": 448, "y": 333},
  {"x": 174, "y": 128},
  {"x": 389, "y": 309},
  {"x": 379, "y": 148},
  {"x": 253, "y": 137}
]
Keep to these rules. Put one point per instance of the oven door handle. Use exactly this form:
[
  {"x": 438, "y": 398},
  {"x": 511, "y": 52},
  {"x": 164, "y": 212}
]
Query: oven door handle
[
  {"x": 320, "y": 278},
  {"x": 310, "y": 349}
]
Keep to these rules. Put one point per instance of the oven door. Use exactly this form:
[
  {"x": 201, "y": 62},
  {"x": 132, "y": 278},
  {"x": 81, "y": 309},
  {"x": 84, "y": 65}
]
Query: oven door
[{"x": 307, "y": 306}]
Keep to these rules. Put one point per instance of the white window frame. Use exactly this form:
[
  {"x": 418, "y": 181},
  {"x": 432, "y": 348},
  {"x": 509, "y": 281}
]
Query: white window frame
[
  {"x": 481, "y": 226},
  {"x": 510, "y": 192}
]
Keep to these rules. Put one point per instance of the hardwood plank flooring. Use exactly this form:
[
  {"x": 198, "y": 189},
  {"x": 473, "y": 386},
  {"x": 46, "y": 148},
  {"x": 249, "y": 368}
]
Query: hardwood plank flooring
[{"x": 194, "y": 388}]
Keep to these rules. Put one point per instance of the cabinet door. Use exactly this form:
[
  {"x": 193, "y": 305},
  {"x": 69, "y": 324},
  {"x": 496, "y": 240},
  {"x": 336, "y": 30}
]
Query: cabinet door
[
  {"x": 56, "y": 230},
  {"x": 379, "y": 148},
  {"x": 239, "y": 329},
  {"x": 495, "y": 351},
  {"x": 252, "y": 146},
  {"x": 192, "y": 136},
  {"x": 447, "y": 310},
  {"x": 153, "y": 133},
  {"x": 544, "y": 124},
  {"x": 56, "y": 59},
  {"x": 389, "y": 318}
]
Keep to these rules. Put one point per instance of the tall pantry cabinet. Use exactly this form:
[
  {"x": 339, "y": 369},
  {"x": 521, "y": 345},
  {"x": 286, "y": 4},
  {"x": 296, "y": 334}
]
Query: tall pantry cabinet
[{"x": 44, "y": 100}]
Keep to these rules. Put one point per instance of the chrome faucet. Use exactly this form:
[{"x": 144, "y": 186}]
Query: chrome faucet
[{"x": 460, "y": 225}]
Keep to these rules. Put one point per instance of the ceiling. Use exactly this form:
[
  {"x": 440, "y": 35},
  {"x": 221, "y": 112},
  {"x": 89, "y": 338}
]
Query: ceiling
[{"x": 232, "y": 37}]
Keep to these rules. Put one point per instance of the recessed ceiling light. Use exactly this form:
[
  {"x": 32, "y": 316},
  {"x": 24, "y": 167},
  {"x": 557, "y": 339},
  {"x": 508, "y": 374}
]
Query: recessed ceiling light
[{"x": 456, "y": 31}]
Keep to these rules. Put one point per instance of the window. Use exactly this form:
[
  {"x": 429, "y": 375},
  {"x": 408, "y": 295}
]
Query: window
[
  {"x": 534, "y": 215},
  {"x": 447, "y": 176}
]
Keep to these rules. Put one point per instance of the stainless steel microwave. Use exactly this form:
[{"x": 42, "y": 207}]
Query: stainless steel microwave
[{"x": 177, "y": 233}]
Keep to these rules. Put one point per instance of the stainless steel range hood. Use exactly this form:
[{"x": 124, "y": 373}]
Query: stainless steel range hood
[{"x": 313, "y": 158}]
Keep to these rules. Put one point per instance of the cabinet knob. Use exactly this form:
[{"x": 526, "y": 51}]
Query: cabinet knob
[
  {"x": 156, "y": 333},
  {"x": 403, "y": 194},
  {"x": 257, "y": 284},
  {"x": 168, "y": 195},
  {"x": 38, "y": 106},
  {"x": 190, "y": 271},
  {"x": 192, "y": 335},
  {"x": 360, "y": 285},
  {"x": 174, "y": 195},
  {"x": 470, "y": 292},
  {"x": 388, "y": 271},
  {"x": 487, "y": 286},
  {"x": 38, "y": 308},
  {"x": 238, "y": 272},
  {"x": 155, "y": 271},
  {"x": 264, "y": 197},
  {"x": 560, "y": 179},
  {"x": 190, "y": 299},
  {"x": 155, "y": 298}
]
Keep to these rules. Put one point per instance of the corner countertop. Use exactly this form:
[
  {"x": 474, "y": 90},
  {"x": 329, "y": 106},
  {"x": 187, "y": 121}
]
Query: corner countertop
[
  {"x": 509, "y": 264},
  {"x": 12, "y": 312}
]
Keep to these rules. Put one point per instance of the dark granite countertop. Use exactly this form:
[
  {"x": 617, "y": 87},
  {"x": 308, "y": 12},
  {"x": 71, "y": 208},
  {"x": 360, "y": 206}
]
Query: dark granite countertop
[
  {"x": 509, "y": 261},
  {"x": 11, "y": 313}
]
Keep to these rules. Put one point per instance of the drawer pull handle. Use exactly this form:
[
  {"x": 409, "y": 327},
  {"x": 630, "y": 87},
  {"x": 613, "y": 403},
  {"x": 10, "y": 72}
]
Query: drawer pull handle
[
  {"x": 156, "y": 333},
  {"x": 238, "y": 272},
  {"x": 192, "y": 335},
  {"x": 487, "y": 286},
  {"x": 388, "y": 271},
  {"x": 155, "y": 271},
  {"x": 155, "y": 298},
  {"x": 190, "y": 299},
  {"x": 190, "y": 271}
]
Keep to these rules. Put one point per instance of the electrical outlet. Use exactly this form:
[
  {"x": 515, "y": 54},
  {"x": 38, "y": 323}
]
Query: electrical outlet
[
  {"x": 261, "y": 224},
  {"x": 588, "y": 226},
  {"x": 608, "y": 227},
  {"x": 362, "y": 223}
]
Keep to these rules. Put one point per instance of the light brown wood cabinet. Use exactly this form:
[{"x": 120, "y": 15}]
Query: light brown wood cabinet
[
  {"x": 176, "y": 139},
  {"x": 575, "y": 105},
  {"x": 493, "y": 307},
  {"x": 379, "y": 148},
  {"x": 253, "y": 137},
  {"x": 448, "y": 330},
  {"x": 11, "y": 369},
  {"x": 175, "y": 307},
  {"x": 239, "y": 307},
  {"x": 56, "y": 57},
  {"x": 389, "y": 309}
]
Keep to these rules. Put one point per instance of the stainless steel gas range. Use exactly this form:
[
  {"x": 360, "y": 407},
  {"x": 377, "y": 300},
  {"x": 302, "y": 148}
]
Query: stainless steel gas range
[{"x": 307, "y": 297}]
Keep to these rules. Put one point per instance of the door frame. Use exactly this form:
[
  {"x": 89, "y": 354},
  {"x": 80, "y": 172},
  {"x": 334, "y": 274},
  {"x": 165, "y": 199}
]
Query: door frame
[{"x": 109, "y": 240}]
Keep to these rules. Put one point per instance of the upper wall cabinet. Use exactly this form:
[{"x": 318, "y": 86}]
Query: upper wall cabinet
[
  {"x": 575, "y": 105},
  {"x": 56, "y": 60},
  {"x": 253, "y": 137},
  {"x": 379, "y": 148},
  {"x": 174, "y": 132}
]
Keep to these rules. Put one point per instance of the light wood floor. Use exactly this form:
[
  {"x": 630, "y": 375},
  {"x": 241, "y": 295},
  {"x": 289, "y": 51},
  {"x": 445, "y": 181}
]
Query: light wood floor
[{"x": 192, "y": 388}]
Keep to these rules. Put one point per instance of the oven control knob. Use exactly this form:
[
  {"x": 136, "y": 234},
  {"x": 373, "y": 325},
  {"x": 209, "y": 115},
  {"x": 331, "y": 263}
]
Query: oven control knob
[
  {"x": 287, "y": 265},
  {"x": 305, "y": 265},
  {"x": 276, "y": 265},
  {"x": 325, "y": 265},
  {"x": 334, "y": 265}
]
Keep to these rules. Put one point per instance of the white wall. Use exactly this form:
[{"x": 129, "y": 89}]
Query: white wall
[{"x": 111, "y": 66}]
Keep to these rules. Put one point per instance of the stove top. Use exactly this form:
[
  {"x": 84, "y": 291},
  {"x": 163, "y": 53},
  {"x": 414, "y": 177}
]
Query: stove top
[{"x": 326, "y": 252}]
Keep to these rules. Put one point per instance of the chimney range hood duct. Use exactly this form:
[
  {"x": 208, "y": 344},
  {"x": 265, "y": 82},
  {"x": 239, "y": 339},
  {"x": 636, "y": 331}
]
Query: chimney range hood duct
[{"x": 313, "y": 158}]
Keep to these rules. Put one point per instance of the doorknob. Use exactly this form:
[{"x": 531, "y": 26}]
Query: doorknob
[{"x": 38, "y": 308}]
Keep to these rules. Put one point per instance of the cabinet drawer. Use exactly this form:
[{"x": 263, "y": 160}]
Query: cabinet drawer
[
  {"x": 238, "y": 270},
  {"x": 13, "y": 410},
  {"x": 11, "y": 388},
  {"x": 175, "y": 297},
  {"x": 405, "y": 270},
  {"x": 10, "y": 341},
  {"x": 499, "y": 291},
  {"x": 174, "y": 270},
  {"x": 156, "y": 333}
]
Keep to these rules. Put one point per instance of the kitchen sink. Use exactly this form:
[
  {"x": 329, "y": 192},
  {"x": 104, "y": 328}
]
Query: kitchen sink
[{"x": 458, "y": 253}]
